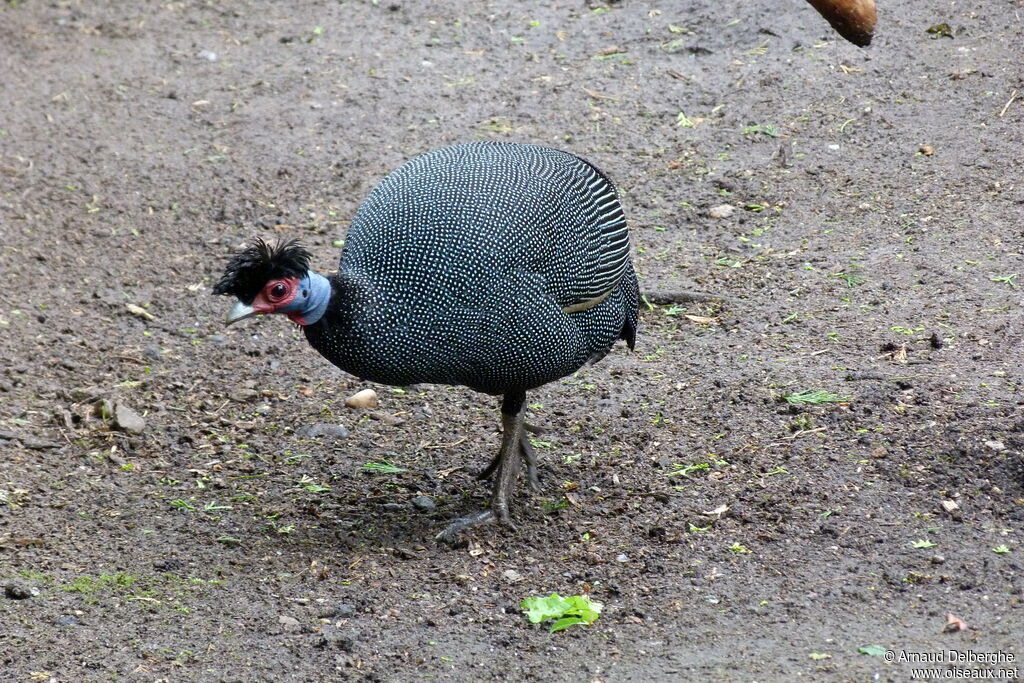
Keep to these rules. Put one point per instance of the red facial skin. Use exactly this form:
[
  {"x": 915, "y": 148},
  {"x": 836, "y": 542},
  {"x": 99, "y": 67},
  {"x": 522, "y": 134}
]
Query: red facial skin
[{"x": 270, "y": 301}]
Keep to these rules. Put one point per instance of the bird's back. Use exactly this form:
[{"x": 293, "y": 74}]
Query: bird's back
[{"x": 472, "y": 256}]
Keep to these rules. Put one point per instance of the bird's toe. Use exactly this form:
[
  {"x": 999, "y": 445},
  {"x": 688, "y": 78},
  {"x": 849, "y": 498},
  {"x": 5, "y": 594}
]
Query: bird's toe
[{"x": 452, "y": 534}]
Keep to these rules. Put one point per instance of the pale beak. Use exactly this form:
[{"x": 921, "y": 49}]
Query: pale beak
[{"x": 238, "y": 312}]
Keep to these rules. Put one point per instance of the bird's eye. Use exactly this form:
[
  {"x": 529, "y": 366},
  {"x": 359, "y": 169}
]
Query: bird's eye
[{"x": 278, "y": 291}]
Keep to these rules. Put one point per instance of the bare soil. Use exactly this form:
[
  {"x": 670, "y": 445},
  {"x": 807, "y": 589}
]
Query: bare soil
[{"x": 873, "y": 252}]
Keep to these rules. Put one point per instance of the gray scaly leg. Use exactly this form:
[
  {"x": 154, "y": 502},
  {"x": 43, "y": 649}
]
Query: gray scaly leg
[{"x": 515, "y": 448}]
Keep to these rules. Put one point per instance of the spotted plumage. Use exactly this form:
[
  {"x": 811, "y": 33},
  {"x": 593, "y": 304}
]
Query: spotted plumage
[
  {"x": 494, "y": 265},
  {"x": 458, "y": 265}
]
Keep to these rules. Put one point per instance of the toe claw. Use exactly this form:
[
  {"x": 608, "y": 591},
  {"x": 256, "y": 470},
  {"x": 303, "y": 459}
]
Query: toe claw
[{"x": 452, "y": 533}]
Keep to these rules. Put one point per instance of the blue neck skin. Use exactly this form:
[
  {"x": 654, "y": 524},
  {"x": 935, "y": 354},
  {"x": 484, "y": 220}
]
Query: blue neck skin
[{"x": 310, "y": 302}]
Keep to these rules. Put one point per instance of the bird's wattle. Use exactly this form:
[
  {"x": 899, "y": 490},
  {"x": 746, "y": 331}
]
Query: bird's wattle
[{"x": 309, "y": 301}]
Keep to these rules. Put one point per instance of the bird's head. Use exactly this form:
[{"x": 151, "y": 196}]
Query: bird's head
[{"x": 274, "y": 279}]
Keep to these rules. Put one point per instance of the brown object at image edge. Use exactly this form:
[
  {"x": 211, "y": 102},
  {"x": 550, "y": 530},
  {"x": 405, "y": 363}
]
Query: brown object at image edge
[{"x": 852, "y": 19}]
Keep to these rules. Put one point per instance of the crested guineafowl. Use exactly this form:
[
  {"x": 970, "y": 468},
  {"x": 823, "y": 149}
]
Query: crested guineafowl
[{"x": 494, "y": 265}]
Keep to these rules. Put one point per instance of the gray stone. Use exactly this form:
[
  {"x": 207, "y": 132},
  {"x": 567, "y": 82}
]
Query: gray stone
[
  {"x": 423, "y": 503},
  {"x": 242, "y": 395},
  {"x": 511, "y": 575},
  {"x": 289, "y": 623},
  {"x": 322, "y": 430},
  {"x": 721, "y": 211},
  {"x": 128, "y": 420}
]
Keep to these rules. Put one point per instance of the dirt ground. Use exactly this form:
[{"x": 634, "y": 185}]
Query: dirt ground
[{"x": 873, "y": 253}]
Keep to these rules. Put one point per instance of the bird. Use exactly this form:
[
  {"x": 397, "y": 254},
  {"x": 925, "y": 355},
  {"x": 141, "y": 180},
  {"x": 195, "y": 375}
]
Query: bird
[{"x": 496, "y": 265}]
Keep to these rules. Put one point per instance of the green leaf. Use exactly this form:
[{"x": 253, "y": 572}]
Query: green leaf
[
  {"x": 872, "y": 650},
  {"x": 575, "y": 609},
  {"x": 923, "y": 543},
  {"x": 566, "y": 622},
  {"x": 588, "y": 610},
  {"x": 541, "y": 609}
]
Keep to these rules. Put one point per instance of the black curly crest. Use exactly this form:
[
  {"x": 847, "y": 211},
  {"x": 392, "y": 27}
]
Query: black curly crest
[{"x": 249, "y": 270}]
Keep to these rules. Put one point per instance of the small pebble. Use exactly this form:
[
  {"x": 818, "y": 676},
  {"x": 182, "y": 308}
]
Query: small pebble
[
  {"x": 423, "y": 503},
  {"x": 322, "y": 429},
  {"x": 622, "y": 558},
  {"x": 389, "y": 420},
  {"x": 104, "y": 408},
  {"x": 168, "y": 564},
  {"x": 127, "y": 419},
  {"x": 207, "y": 55},
  {"x": 721, "y": 211},
  {"x": 242, "y": 395},
  {"x": 367, "y": 398},
  {"x": 289, "y": 623},
  {"x": 67, "y": 620},
  {"x": 996, "y": 445}
]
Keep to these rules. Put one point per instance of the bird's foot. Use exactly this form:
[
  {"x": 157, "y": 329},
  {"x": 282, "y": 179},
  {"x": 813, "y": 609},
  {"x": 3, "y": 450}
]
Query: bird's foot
[
  {"x": 451, "y": 535},
  {"x": 504, "y": 469},
  {"x": 486, "y": 472}
]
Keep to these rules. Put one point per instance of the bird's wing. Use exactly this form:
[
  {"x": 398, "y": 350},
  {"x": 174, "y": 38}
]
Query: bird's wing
[{"x": 595, "y": 252}]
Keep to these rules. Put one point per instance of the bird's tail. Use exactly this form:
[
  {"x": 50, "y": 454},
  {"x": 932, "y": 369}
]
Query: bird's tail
[{"x": 631, "y": 296}]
